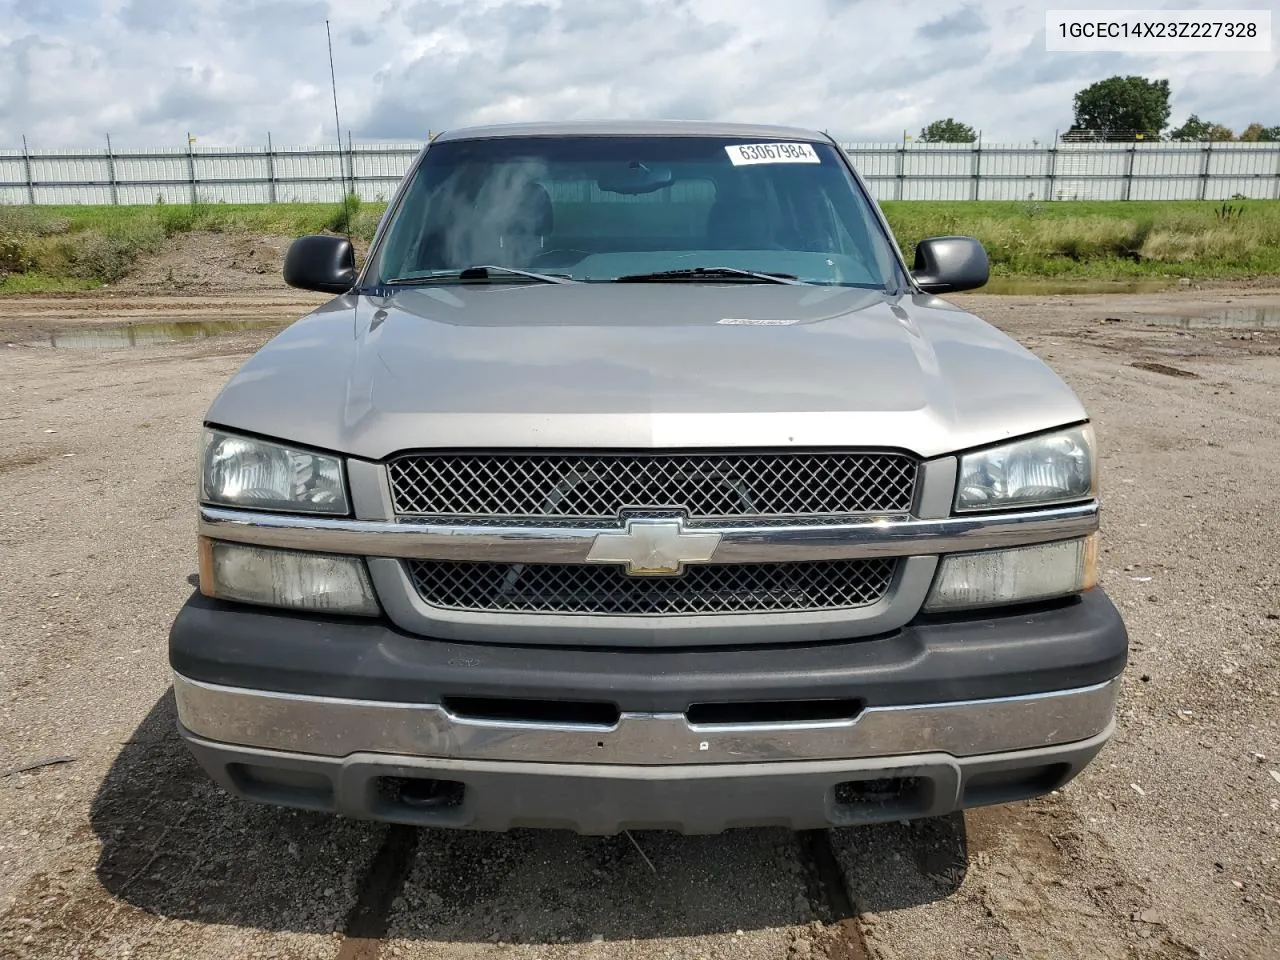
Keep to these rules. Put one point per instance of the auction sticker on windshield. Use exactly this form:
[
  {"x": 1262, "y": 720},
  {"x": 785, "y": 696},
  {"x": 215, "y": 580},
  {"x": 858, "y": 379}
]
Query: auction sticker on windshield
[{"x": 741, "y": 154}]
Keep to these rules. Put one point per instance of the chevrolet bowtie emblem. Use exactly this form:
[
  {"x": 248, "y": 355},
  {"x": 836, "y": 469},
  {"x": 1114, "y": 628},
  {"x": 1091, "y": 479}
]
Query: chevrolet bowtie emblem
[{"x": 653, "y": 548}]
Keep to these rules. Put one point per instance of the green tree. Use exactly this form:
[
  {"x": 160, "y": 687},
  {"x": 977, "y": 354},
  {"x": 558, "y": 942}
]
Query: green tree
[
  {"x": 1193, "y": 129},
  {"x": 1256, "y": 132},
  {"x": 1120, "y": 108},
  {"x": 1200, "y": 130},
  {"x": 948, "y": 131}
]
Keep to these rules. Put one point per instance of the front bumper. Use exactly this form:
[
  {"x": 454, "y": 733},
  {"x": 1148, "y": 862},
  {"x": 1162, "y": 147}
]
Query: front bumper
[
  {"x": 337, "y": 715},
  {"x": 334, "y": 727},
  {"x": 605, "y": 799}
]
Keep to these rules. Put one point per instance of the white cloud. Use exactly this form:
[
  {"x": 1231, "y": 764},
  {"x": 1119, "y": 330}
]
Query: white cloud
[{"x": 148, "y": 71}]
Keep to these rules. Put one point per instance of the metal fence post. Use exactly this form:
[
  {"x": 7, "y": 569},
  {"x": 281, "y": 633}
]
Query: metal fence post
[
  {"x": 1053, "y": 165},
  {"x": 1277, "y": 169},
  {"x": 271, "y": 170},
  {"x": 977, "y": 168},
  {"x": 1204, "y": 172},
  {"x": 342, "y": 173},
  {"x": 1128, "y": 171},
  {"x": 26, "y": 167},
  {"x": 111, "y": 174},
  {"x": 351, "y": 162},
  {"x": 902, "y": 170},
  {"x": 191, "y": 168}
]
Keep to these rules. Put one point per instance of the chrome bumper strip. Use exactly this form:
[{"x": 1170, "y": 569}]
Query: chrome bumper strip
[
  {"x": 332, "y": 727},
  {"x": 896, "y": 536}
]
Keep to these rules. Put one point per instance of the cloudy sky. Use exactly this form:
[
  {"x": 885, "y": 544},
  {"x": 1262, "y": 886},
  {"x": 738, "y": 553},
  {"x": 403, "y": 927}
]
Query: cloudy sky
[{"x": 229, "y": 71}]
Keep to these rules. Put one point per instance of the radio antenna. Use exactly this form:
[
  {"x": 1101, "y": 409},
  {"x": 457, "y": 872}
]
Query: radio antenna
[{"x": 337, "y": 128}]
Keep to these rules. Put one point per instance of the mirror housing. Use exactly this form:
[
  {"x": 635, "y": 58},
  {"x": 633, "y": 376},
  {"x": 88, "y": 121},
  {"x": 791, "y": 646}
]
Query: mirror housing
[
  {"x": 321, "y": 262},
  {"x": 950, "y": 264},
  {"x": 635, "y": 179}
]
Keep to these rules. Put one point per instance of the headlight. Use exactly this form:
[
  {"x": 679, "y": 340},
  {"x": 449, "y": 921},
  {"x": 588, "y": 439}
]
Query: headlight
[
  {"x": 1053, "y": 468},
  {"x": 241, "y": 472},
  {"x": 286, "y": 578},
  {"x": 1018, "y": 575}
]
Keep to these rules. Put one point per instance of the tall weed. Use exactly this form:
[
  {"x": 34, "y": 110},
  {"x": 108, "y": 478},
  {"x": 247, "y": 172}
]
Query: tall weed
[{"x": 106, "y": 256}]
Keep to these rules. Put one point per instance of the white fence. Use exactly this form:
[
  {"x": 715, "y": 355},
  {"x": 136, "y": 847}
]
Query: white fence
[{"x": 894, "y": 171}]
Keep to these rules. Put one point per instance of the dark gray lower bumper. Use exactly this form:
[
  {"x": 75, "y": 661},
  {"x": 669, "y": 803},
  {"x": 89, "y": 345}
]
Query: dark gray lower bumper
[
  {"x": 995, "y": 654},
  {"x": 606, "y": 799},
  {"x": 346, "y": 715}
]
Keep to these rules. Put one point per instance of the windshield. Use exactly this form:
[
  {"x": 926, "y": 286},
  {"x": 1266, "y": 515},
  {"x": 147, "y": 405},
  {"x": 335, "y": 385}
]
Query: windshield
[{"x": 602, "y": 208}]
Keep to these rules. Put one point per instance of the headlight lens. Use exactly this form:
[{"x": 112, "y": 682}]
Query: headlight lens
[
  {"x": 242, "y": 472},
  {"x": 1018, "y": 575},
  {"x": 1054, "y": 468},
  {"x": 286, "y": 578}
]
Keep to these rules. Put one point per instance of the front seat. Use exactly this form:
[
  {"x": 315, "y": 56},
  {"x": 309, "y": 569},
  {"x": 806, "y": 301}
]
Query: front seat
[{"x": 526, "y": 228}]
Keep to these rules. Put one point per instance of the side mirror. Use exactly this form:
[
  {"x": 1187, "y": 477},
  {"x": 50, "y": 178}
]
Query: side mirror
[
  {"x": 321, "y": 262},
  {"x": 949, "y": 264}
]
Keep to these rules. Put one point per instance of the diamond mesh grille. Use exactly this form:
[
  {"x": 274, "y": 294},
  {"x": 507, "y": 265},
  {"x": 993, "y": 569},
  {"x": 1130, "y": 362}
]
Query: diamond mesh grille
[
  {"x": 595, "y": 487},
  {"x": 607, "y": 590}
]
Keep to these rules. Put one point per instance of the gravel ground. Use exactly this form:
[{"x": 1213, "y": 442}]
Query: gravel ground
[{"x": 1167, "y": 847}]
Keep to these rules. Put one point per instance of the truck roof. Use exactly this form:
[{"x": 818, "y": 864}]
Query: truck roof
[{"x": 635, "y": 128}]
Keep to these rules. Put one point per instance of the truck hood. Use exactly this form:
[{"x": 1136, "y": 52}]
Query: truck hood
[{"x": 665, "y": 365}]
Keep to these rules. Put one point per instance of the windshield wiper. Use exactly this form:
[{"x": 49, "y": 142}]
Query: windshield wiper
[
  {"x": 480, "y": 272},
  {"x": 712, "y": 273}
]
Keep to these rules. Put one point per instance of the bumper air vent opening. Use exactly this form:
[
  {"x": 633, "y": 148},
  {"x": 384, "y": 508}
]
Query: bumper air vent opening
[
  {"x": 1016, "y": 783},
  {"x": 589, "y": 713},
  {"x": 772, "y": 712},
  {"x": 884, "y": 798},
  {"x": 278, "y": 785}
]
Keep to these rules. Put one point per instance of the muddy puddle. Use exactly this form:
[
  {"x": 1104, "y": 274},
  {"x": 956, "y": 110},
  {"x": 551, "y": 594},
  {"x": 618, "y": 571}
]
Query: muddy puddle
[
  {"x": 147, "y": 334},
  {"x": 1228, "y": 318}
]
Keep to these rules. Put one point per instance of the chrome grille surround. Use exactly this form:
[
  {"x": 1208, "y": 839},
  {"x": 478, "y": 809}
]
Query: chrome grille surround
[
  {"x": 914, "y": 539},
  {"x": 597, "y": 487},
  {"x": 607, "y": 590},
  {"x": 607, "y": 488}
]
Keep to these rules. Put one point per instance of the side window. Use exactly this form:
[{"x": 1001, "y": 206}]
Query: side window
[
  {"x": 855, "y": 228},
  {"x": 805, "y": 217},
  {"x": 844, "y": 242},
  {"x": 399, "y": 253},
  {"x": 876, "y": 256}
]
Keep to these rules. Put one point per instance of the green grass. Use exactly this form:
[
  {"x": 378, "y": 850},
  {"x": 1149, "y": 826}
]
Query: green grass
[
  {"x": 284, "y": 219},
  {"x": 79, "y": 247},
  {"x": 43, "y": 283},
  {"x": 1105, "y": 240}
]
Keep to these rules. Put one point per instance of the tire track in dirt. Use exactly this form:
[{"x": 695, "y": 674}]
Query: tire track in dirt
[
  {"x": 842, "y": 937},
  {"x": 370, "y": 916}
]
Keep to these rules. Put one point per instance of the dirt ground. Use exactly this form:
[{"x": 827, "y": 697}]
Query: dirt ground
[
  {"x": 1168, "y": 846},
  {"x": 200, "y": 262}
]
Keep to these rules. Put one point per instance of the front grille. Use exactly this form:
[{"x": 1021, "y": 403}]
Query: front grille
[
  {"x": 595, "y": 487},
  {"x": 609, "y": 591}
]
